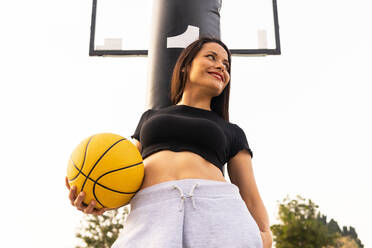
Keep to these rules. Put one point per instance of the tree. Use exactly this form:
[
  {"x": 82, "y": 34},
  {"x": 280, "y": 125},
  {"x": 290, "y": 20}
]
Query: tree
[
  {"x": 346, "y": 242},
  {"x": 352, "y": 234},
  {"x": 349, "y": 237},
  {"x": 101, "y": 231},
  {"x": 333, "y": 226},
  {"x": 302, "y": 226}
]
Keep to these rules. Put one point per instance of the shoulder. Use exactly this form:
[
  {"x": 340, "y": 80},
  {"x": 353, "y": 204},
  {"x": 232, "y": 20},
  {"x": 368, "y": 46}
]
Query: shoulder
[
  {"x": 239, "y": 133},
  {"x": 234, "y": 128},
  {"x": 170, "y": 108},
  {"x": 147, "y": 113}
]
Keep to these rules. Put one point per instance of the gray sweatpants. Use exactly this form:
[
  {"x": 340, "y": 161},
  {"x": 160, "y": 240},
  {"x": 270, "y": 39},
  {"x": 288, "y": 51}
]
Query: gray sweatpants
[{"x": 189, "y": 213}]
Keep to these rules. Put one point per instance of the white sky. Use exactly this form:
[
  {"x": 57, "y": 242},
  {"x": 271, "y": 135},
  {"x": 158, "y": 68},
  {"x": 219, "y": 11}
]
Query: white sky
[{"x": 306, "y": 113}]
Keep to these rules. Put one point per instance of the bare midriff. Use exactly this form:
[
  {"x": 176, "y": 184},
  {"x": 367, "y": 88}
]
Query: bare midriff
[{"x": 167, "y": 165}]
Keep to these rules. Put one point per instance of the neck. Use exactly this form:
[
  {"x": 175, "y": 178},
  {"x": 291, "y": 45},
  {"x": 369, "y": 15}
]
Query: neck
[{"x": 195, "y": 101}]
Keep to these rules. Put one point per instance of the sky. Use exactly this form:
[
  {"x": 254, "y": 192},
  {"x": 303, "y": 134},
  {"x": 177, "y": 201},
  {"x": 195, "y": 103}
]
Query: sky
[{"x": 306, "y": 113}]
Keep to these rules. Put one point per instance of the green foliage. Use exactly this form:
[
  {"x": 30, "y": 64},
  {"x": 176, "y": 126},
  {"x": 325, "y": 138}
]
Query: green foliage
[
  {"x": 301, "y": 226},
  {"x": 101, "y": 231},
  {"x": 333, "y": 226},
  {"x": 345, "y": 242},
  {"x": 348, "y": 235},
  {"x": 350, "y": 232}
]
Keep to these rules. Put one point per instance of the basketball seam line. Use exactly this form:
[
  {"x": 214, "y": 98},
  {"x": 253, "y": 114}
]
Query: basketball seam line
[
  {"x": 100, "y": 160},
  {"x": 96, "y": 182},
  {"x": 103, "y": 186},
  {"x": 85, "y": 154}
]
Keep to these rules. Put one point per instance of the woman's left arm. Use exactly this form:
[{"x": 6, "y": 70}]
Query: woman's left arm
[{"x": 241, "y": 174}]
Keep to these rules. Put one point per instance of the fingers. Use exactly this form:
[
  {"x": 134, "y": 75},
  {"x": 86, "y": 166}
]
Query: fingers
[
  {"x": 90, "y": 207},
  {"x": 67, "y": 184},
  {"x": 79, "y": 201},
  {"x": 72, "y": 195},
  {"x": 101, "y": 211},
  {"x": 92, "y": 210}
]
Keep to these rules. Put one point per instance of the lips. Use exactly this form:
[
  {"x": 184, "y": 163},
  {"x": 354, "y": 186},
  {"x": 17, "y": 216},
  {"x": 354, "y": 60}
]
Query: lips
[{"x": 217, "y": 75}]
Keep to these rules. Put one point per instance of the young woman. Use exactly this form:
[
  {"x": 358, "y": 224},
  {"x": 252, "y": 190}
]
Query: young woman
[{"x": 184, "y": 200}]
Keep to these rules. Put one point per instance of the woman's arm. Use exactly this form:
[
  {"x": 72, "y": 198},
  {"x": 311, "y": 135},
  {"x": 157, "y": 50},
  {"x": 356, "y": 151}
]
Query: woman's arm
[{"x": 241, "y": 174}]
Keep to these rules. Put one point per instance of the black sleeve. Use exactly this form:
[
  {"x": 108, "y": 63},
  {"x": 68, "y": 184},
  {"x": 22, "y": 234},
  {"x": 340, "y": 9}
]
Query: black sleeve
[
  {"x": 143, "y": 118},
  {"x": 238, "y": 142}
]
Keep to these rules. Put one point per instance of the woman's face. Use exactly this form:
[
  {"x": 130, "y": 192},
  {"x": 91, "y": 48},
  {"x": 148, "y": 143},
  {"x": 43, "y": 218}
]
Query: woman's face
[{"x": 209, "y": 68}]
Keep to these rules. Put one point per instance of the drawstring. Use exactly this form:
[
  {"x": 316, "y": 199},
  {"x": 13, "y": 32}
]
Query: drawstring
[{"x": 183, "y": 196}]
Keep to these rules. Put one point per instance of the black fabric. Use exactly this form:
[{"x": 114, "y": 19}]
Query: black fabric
[{"x": 186, "y": 128}]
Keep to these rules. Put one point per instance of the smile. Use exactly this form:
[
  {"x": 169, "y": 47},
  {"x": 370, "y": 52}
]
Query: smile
[{"x": 216, "y": 76}]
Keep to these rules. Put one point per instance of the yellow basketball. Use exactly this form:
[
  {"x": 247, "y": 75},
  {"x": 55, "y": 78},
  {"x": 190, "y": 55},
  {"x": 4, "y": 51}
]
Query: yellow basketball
[{"x": 108, "y": 168}]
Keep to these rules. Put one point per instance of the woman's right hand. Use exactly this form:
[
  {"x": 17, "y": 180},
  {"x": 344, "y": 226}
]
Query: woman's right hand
[{"x": 77, "y": 201}]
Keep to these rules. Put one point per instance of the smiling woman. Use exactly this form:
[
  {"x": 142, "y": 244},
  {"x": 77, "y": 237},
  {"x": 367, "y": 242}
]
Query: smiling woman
[
  {"x": 210, "y": 62},
  {"x": 192, "y": 74},
  {"x": 184, "y": 148}
]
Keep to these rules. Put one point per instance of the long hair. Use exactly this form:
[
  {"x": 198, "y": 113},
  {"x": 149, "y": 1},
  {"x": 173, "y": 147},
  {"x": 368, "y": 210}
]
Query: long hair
[{"x": 220, "y": 103}]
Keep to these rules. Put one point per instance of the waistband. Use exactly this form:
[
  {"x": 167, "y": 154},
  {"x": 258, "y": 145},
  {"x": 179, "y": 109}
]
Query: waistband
[{"x": 184, "y": 188}]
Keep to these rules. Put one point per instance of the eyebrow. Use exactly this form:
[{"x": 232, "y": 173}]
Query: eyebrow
[{"x": 225, "y": 60}]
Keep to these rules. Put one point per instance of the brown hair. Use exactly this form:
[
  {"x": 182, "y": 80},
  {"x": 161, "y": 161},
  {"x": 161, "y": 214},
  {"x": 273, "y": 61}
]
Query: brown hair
[{"x": 220, "y": 103}]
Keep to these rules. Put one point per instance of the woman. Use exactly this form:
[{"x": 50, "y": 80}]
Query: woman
[{"x": 184, "y": 200}]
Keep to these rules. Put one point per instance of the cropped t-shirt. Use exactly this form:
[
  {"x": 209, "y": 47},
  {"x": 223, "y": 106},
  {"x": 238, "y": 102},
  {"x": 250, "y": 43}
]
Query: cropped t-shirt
[{"x": 187, "y": 128}]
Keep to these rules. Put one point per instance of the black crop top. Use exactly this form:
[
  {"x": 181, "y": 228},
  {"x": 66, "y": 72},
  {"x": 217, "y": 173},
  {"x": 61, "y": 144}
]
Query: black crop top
[{"x": 187, "y": 128}]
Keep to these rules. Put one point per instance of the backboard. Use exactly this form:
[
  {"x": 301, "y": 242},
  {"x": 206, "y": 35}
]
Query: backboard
[{"x": 123, "y": 27}]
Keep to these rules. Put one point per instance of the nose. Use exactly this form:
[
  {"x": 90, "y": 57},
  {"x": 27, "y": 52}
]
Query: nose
[{"x": 220, "y": 66}]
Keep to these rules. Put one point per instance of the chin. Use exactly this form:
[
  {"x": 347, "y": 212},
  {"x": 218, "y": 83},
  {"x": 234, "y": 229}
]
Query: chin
[{"x": 217, "y": 93}]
